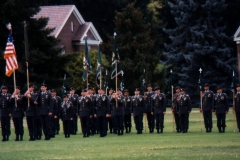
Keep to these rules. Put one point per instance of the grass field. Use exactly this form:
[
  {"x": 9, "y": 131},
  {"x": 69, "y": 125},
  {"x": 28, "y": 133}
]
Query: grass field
[{"x": 196, "y": 144}]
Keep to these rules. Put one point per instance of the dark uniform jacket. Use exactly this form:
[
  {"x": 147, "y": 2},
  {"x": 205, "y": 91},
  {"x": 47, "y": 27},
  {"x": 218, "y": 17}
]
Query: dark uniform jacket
[
  {"x": 221, "y": 103},
  {"x": 17, "y": 111},
  {"x": 149, "y": 101},
  {"x": 5, "y": 105},
  {"x": 45, "y": 103},
  {"x": 174, "y": 106},
  {"x": 31, "y": 110},
  {"x": 119, "y": 109},
  {"x": 158, "y": 103},
  {"x": 74, "y": 99},
  {"x": 66, "y": 111},
  {"x": 102, "y": 105},
  {"x": 110, "y": 104},
  {"x": 138, "y": 105},
  {"x": 56, "y": 105},
  {"x": 183, "y": 104},
  {"x": 127, "y": 104},
  {"x": 237, "y": 102},
  {"x": 207, "y": 101},
  {"x": 85, "y": 108}
]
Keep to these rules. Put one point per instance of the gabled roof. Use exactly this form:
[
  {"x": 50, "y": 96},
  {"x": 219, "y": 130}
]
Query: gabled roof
[
  {"x": 58, "y": 16},
  {"x": 237, "y": 35}
]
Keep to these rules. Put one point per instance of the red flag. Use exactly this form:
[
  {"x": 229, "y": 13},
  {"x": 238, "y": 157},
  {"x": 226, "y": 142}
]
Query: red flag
[{"x": 10, "y": 56}]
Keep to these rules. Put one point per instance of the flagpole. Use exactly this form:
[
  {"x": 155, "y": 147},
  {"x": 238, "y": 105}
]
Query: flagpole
[
  {"x": 116, "y": 70},
  {"x": 173, "y": 121},
  {"x": 106, "y": 82},
  {"x": 234, "y": 106},
  {"x": 200, "y": 70},
  {"x": 26, "y": 55},
  {"x": 14, "y": 81}
]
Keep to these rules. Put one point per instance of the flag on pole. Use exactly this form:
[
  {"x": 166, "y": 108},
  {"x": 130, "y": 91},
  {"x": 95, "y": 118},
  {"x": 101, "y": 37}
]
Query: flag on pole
[
  {"x": 99, "y": 66},
  {"x": 115, "y": 60},
  {"x": 122, "y": 83},
  {"x": 106, "y": 81},
  {"x": 87, "y": 68},
  {"x": 143, "y": 81},
  {"x": 10, "y": 54},
  {"x": 200, "y": 80}
]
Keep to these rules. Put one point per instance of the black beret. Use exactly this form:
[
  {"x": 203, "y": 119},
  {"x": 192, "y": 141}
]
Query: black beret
[
  {"x": 149, "y": 85},
  {"x": 84, "y": 90},
  {"x": 89, "y": 87},
  {"x": 111, "y": 89},
  {"x": 125, "y": 90},
  {"x": 17, "y": 87},
  {"x": 157, "y": 88},
  {"x": 177, "y": 87},
  {"x": 53, "y": 90},
  {"x": 137, "y": 89},
  {"x": 65, "y": 96},
  {"x": 206, "y": 85},
  {"x": 219, "y": 87},
  {"x": 31, "y": 85},
  {"x": 72, "y": 88},
  {"x": 44, "y": 84},
  {"x": 182, "y": 89},
  {"x": 4, "y": 87}
]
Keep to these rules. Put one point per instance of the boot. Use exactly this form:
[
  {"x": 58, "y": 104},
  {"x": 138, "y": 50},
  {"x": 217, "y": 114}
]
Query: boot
[
  {"x": 158, "y": 131},
  {"x": 21, "y": 137},
  {"x": 7, "y": 138},
  {"x": 223, "y": 129},
  {"x": 219, "y": 130},
  {"x": 161, "y": 130},
  {"x": 210, "y": 130},
  {"x": 4, "y": 138},
  {"x": 66, "y": 136},
  {"x": 129, "y": 130},
  {"x": 118, "y": 132},
  {"x": 17, "y": 138},
  {"x": 121, "y": 133}
]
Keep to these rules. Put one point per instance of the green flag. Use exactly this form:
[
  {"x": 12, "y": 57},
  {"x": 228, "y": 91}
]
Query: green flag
[
  {"x": 87, "y": 68},
  {"x": 99, "y": 66},
  {"x": 122, "y": 83},
  {"x": 106, "y": 81},
  {"x": 115, "y": 61},
  {"x": 143, "y": 81}
]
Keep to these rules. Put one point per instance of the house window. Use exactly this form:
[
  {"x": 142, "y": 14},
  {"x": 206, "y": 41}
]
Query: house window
[
  {"x": 62, "y": 50},
  {"x": 72, "y": 26}
]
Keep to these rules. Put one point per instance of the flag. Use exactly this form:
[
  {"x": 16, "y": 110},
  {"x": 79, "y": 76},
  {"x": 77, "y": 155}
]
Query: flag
[
  {"x": 233, "y": 81},
  {"x": 200, "y": 80},
  {"x": 115, "y": 61},
  {"x": 10, "y": 56},
  {"x": 99, "y": 66},
  {"x": 122, "y": 83},
  {"x": 143, "y": 81},
  {"x": 87, "y": 68},
  {"x": 106, "y": 81}
]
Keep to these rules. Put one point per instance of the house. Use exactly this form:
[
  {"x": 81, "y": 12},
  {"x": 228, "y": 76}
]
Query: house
[
  {"x": 70, "y": 28},
  {"x": 237, "y": 40}
]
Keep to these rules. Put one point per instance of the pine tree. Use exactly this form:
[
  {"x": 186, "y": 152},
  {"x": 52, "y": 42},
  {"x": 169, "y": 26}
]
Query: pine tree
[{"x": 199, "y": 41}]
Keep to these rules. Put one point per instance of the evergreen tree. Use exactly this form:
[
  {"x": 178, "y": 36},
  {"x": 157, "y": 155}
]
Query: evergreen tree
[{"x": 199, "y": 40}]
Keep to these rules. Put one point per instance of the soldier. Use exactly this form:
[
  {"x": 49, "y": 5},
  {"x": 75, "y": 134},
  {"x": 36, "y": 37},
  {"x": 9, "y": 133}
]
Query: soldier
[
  {"x": 110, "y": 120},
  {"x": 5, "y": 113},
  {"x": 66, "y": 115},
  {"x": 31, "y": 112},
  {"x": 56, "y": 108},
  {"x": 158, "y": 108},
  {"x": 127, "y": 104},
  {"x": 118, "y": 111},
  {"x": 174, "y": 109},
  {"x": 85, "y": 112},
  {"x": 45, "y": 105},
  {"x": 236, "y": 108},
  {"x": 207, "y": 107},
  {"x": 138, "y": 110},
  {"x": 73, "y": 98},
  {"x": 183, "y": 109},
  {"x": 102, "y": 111},
  {"x": 221, "y": 109},
  {"x": 93, "y": 121},
  {"x": 18, "y": 113},
  {"x": 150, "y": 117}
]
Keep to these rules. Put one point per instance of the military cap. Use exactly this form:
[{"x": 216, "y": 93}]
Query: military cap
[
  {"x": 84, "y": 90},
  {"x": 17, "y": 87},
  {"x": 137, "y": 89},
  {"x": 53, "y": 90},
  {"x": 89, "y": 87},
  {"x": 65, "y": 96},
  {"x": 182, "y": 89},
  {"x": 177, "y": 87},
  {"x": 4, "y": 87},
  {"x": 125, "y": 90},
  {"x": 219, "y": 87},
  {"x": 31, "y": 85},
  {"x": 93, "y": 88},
  {"x": 111, "y": 89},
  {"x": 71, "y": 88},
  {"x": 44, "y": 84},
  {"x": 149, "y": 85},
  {"x": 206, "y": 85},
  {"x": 157, "y": 88}
]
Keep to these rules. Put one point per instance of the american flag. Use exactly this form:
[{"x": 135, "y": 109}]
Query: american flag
[{"x": 10, "y": 56}]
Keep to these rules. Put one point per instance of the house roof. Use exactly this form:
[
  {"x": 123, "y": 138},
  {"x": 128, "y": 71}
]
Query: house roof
[
  {"x": 237, "y": 35},
  {"x": 58, "y": 16}
]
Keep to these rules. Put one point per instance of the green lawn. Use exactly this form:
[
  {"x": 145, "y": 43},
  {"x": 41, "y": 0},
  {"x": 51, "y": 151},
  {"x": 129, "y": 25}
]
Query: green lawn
[{"x": 196, "y": 144}]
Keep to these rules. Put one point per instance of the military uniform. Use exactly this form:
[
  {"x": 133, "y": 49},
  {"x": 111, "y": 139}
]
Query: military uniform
[
  {"x": 183, "y": 109},
  {"x": 127, "y": 104},
  {"x": 111, "y": 120},
  {"x": 158, "y": 108},
  {"x": 5, "y": 115},
  {"x": 138, "y": 108},
  {"x": 221, "y": 108},
  {"x": 207, "y": 107},
  {"x": 17, "y": 115},
  {"x": 93, "y": 121},
  {"x": 66, "y": 114},
  {"x": 85, "y": 110},
  {"x": 118, "y": 111},
  {"x": 73, "y": 98},
  {"x": 101, "y": 110},
  {"x": 237, "y": 109},
  {"x": 174, "y": 110},
  {"x": 150, "y": 117},
  {"x": 56, "y": 109}
]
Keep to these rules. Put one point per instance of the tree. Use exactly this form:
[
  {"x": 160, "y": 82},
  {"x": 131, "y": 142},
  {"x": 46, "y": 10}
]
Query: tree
[{"x": 199, "y": 40}]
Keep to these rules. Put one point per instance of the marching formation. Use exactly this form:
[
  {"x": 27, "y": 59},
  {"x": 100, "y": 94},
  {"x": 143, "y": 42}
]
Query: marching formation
[{"x": 100, "y": 112}]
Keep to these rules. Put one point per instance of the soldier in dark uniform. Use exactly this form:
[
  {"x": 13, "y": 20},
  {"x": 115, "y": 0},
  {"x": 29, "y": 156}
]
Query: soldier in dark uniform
[
  {"x": 138, "y": 110},
  {"x": 183, "y": 109},
  {"x": 150, "y": 117},
  {"x": 174, "y": 109},
  {"x": 207, "y": 107},
  {"x": 127, "y": 104},
  {"x": 236, "y": 109},
  {"x": 17, "y": 113},
  {"x": 31, "y": 111},
  {"x": 55, "y": 116},
  {"x": 110, "y": 120},
  {"x": 93, "y": 120},
  {"x": 221, "y": 109},
  {"x": 102, "y": 111},
  {"x": 66, "y": 115},
  {"x": 5, "y": 113},
  {"x": 118, "y": 111},
  {"x": 158, "y": 108},
  {"x": 45, "y": 105},
  {"x": 85, "y": 112},
  {"x": 73, "y": 98}
]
